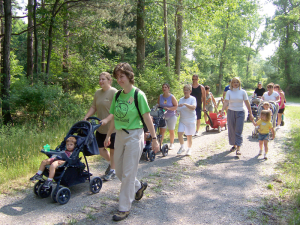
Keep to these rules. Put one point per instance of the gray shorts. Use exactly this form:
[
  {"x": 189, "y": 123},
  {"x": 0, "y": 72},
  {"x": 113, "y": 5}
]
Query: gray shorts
[
  {"x": 170, "y": 123},
  {"x": 209, "y": 108}
]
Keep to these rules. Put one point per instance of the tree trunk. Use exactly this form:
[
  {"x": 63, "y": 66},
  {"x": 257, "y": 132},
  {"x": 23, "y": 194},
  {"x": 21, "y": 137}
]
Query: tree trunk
[
  {"x": 140, "y": 36},
  {"x": 166, "y": 35},
  {"x": 5, "y": 81},
  {"x": 65, "y": 65},
  {"x": 36, "y": 53},
  {"x": 178, "y": 38},
  {"x": 1, "y": 39},
  {"x": 29, "y": 73},
  {"x": 222, "y": 62},
  {"x": 43, "y": 43},
  {"x": 50, "y": 43}
]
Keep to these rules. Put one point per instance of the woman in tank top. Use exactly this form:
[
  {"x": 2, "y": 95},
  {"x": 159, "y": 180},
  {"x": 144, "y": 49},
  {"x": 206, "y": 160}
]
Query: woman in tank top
[{"x": 169, "y": 103}]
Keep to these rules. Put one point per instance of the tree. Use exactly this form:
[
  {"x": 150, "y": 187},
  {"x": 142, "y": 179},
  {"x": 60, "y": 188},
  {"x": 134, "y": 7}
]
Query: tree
[
  {"x": 140, "y": 36},
  {"x": 30, "y": 8}
]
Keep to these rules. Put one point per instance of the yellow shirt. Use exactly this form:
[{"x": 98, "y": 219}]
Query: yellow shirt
[
  {"x": 102, "y": 102},
  {"x": 264, "y": 126}
]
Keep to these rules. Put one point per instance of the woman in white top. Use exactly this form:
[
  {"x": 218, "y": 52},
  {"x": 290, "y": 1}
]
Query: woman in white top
[
  {"x": 187, "y": 121},
  {"x": 270, "y": 95},
  {"x": 234, "y": 99}
]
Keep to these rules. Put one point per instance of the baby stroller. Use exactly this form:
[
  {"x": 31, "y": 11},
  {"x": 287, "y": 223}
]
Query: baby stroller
[
  {"x": 73, "y": 171},
  {"x": 216, "y": 121},
  {"x": 158, "y": 121},
  {"x": 274, "y": 107},
  {"x": 254, "y": 103}
]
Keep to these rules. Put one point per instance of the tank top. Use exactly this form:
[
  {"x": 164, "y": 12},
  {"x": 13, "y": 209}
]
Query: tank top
[
  {"x": 197, "y": 93},
  {"x": 208, "y": 101},
  {"x": 282, "y": 107},
  {"x": 166, "y": 102}
]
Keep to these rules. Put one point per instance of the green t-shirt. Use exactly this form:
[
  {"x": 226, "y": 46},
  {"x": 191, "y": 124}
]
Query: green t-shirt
[{"x": 125, "y": 113}]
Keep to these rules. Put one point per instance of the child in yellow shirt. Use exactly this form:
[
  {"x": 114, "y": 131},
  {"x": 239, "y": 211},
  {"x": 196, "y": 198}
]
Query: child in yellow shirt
[{"x": 265, "y": 126}]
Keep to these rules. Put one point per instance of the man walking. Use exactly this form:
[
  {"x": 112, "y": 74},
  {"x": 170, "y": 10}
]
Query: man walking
[{"x": 198, "y": 91}]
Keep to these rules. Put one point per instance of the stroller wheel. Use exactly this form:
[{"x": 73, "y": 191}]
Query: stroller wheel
[
  {"x": 252, "y": 134},
  {"x": 282, "y": 123},
  {"x": 225, "y": 126},
  {"x": 165, "y": 150},
  {"x": 151, "y": 155},
  {"x": 36, "y": 187},
  {"x": 219, "y": 129},
  {"x": 95, "y": 185},
  {"x": 207, "y": 128},
  {"x": 54, "y": 192},
  {"x": 44, "y": 193},
  {"x": 144, "y": 156},
  {"x": 63, "y": 195}
]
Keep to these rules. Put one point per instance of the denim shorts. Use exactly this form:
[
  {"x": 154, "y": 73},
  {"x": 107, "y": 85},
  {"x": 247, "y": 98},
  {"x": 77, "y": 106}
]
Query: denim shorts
[{"x": 262, "y": 137}]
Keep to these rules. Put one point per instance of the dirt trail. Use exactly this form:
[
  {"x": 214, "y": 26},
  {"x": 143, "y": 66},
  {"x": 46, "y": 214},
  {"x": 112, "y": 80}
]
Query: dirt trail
[{"x": 210, "y": 187}]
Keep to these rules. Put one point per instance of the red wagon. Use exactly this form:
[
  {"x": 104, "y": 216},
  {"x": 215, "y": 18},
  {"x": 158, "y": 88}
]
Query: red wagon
[{"x": 216, "y": 121}]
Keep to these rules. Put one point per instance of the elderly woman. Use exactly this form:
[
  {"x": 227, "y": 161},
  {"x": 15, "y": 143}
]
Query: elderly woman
[
  {"x": 187, "y": 121},
  {"x": 270, "y": 95},
  {"x": 281, "y": 103},
  {"x": 169, "y": 103},
  {"x": 128, "y": 122},
  {"x": 210, "y": 102},
  {"x": 101, "y": 104},
  {"x": 234, "y": 99}
]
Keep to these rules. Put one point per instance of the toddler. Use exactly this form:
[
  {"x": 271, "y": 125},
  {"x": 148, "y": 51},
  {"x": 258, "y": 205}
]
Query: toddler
[
  {"x": 54, "y": 162},
  {"x": 265, "y": 126}
]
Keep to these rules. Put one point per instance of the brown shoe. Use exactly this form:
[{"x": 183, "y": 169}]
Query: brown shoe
[
  {"x": 120, "y": 215},
  {"x": 139, "y": 194}
]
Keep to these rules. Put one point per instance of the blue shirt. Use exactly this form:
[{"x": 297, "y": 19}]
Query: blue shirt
[{"x": 227, "y": 88}]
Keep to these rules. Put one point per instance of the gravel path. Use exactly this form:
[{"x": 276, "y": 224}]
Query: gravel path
[{"x": 212, "y": 186}]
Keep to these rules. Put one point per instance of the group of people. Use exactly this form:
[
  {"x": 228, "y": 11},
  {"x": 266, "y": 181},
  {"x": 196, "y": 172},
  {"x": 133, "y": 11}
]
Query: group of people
[{"x": 126, "y": 112}]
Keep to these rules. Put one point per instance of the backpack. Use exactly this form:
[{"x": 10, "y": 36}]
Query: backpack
[{"x": 136, "y": 104}]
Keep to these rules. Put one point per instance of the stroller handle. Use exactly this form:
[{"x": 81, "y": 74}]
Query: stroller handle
[{"x": 93, "y": 118}]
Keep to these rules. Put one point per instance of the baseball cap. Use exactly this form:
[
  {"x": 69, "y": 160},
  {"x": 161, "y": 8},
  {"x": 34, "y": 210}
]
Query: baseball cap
[{"x": 259, "y": 82}]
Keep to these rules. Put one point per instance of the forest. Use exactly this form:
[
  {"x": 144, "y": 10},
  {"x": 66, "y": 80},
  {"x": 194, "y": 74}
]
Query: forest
[{"x": 53, "y": 52}]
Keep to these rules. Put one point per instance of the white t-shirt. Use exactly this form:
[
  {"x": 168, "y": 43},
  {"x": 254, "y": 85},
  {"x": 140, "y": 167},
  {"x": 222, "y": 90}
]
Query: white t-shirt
[
  {"x": 187, "y": 115},
  {"x": 271, "y": 97},
  {"x": 236, "y": 99}
]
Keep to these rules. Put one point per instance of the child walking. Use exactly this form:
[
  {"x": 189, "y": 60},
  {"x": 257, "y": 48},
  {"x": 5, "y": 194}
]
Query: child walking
[
  {"x": 54, "y": 162},
  {"x": 265, "y": 126}
]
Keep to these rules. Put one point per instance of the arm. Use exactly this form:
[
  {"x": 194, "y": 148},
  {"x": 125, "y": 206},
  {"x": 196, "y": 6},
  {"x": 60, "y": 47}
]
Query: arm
[
  {"x": 225, "y": 105},
  {"x": 191, "y": 107},
  {"x": 107, "y": 119},
  {"x": 109, "y": 132},
  {"x": 273, "y": 132},
  {"x": 91, "y": 112},
  {"x": 150, "y": 126},
  {"x": 203, "y": 97},
  {"x": 213, "y": 99},
  {"x": 277, "y": 99},
  {"x": 247, "y": 103}
]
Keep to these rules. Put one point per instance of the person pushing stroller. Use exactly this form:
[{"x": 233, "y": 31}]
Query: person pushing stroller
[{"x": 54, "y": 163}]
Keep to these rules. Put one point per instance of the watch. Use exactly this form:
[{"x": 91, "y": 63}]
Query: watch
[{"x": 154, "y": 138}]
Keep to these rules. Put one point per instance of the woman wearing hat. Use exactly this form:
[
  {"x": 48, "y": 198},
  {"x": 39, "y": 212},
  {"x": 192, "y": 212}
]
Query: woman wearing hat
[{"x": 259, "y": 91}]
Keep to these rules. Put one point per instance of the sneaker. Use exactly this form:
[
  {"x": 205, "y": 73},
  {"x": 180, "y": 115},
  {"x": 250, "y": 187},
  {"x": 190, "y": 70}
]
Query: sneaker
[
  {"x": 47, "y": 184},
  {"x": 189, "y": 152},
  {"x": 184, "y": 135},
  {"x": 37, "y": 177},
  {"x": 139, "y": 194},
  {"x": 171, "y": 146},
  {"x": 120, "y": 216},
  {"x": 107, "y": 169},
  {"x": 196, "y": 133},
  {"x": 266, "y": 157},
  {"x": 181, "y": 150},
  {"x": 260, "y": 152},
  {"x": 110, "y": 176}
]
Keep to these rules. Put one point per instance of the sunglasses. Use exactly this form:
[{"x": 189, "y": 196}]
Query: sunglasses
[{"x": 269, "y": 87}]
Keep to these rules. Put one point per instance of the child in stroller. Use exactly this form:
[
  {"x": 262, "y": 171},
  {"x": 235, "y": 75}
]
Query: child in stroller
[
  {"x": 157, "y": 114},
  {"x": 67, "y": 166},
  {"x": 254, "y": 102},
  {"x": 55, "y": 161}
]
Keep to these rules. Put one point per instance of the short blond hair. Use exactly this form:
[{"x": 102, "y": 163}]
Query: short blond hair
[
  {"x": 266, "y": 103},
  {"x": 267, "y": 113},
  {"x": 72, "y": 140},
  {"x": 188, "y": 86},
  {"x": 233, "y": 79}
]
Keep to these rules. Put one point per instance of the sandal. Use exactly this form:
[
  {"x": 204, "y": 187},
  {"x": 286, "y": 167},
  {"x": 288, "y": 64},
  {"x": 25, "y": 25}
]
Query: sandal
[
  {"x": 233, "y": 149},
  {"x": 238, "y": 152}
]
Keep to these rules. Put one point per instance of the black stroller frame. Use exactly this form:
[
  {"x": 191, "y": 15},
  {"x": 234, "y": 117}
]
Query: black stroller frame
[
  {"x": 148, "y": 154},
  {"x": 72, "y": 171},
  {"x": 254, "y": 103}
]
